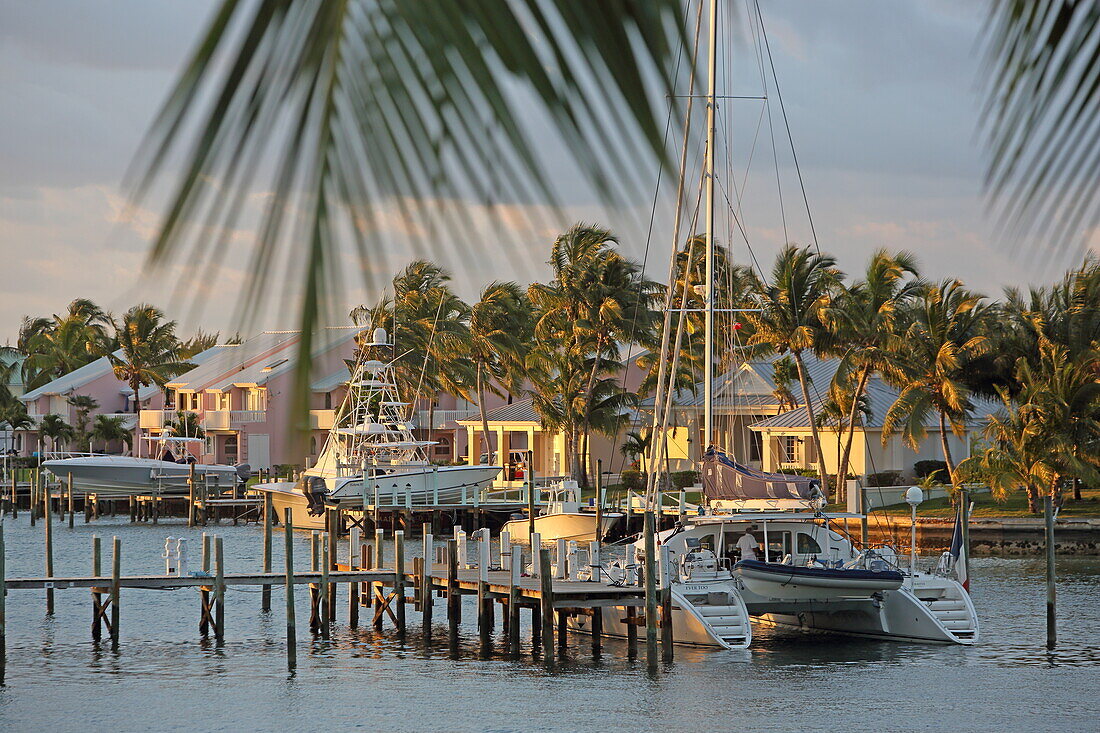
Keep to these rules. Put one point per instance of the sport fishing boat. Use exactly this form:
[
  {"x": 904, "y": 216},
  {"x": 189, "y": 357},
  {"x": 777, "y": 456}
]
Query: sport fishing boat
[
  {"x": 371, "y": 457},
  {"x": 564, "y": 516},
  {"x": 130, "y": 475}
]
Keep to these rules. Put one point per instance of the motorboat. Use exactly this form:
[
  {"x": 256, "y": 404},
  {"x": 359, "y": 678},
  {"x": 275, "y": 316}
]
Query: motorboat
[
  {"x": 370, "y": 456},
  {"x": 164, "y": 475},
  {"x": 563, "y": 516}
]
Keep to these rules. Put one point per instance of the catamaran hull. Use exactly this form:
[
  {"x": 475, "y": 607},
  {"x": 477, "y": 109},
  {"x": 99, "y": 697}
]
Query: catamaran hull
[
  {"x": 578, "y": 526},
  {"x": 125, "y": 475},
  {"x": 443, "y": 485}
]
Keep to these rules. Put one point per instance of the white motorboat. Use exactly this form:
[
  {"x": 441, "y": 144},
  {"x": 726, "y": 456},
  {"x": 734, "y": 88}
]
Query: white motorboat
[
  {"x": 371, "y": 456},
  {"x": 564, "y": 516},
  {"x": 130, "y": 475}
]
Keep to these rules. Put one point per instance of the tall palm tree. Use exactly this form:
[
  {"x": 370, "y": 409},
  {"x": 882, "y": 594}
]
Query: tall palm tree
[
  {"x": 56, "y": 429},
  {"x": 791, "y": 318},
  {"x": 783, "y": 373},
  {"x": 945, "y": 334},
  {"x": 57, "y": 345},
  {"x": 83, "y": 404},
  {"x": 864, "y": 326},
  {"x": 500, "y": 330},
  {"x": 109, "y": 428},
  {"x": 428, "y": 325},
  {"x": 10, "y": 358},
  {"x": 596, "y": 303},
  {"x": 150, "y": 350},
  {"x": 199, "y": 343}
]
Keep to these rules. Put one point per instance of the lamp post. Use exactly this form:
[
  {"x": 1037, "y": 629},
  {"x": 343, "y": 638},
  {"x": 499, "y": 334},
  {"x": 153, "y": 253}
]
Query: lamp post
[{"x": 913, "y": 497}]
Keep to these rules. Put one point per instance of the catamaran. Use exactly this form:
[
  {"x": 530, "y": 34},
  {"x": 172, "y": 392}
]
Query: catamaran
[
  {"x": 811, "y": 575},
  {"x": 371, "y": 455}
]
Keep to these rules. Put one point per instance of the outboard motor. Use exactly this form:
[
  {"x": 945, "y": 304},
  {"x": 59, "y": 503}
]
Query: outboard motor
[
  {"x": 244, "y": 472},
  {"x": 315, "y": 491}
]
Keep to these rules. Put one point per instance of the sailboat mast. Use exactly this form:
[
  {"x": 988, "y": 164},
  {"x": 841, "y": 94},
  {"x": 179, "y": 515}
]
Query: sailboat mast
[{"x": 708, "y": 291}]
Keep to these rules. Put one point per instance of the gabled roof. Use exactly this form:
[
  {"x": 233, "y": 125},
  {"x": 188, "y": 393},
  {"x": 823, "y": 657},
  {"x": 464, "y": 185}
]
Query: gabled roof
[
  {"x": 332, "y": 381},
  {"x": 522, "y": 411},
  {"x": 257, "y": 360},
  {"x": 752, "y": 385},
  {"x": 101, "y": 367},
  {"x": 880, "y": 397}
]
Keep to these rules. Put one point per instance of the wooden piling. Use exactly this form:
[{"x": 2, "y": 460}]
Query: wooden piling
[
  {"x": 399, "y": 578},
  {"x": 427, "y": 600},
  {"x": 191, "y": 495},
  {"x": 3, "y": 605},
  {"x": 291, "y": 631},
  {"x": 665, "y": 598},
  {"x": 454, "y": 600},
  {"x": 265, "y": 592},
  {"x": 69, "y": 486},
  {"x": 547, "y": 603},
  {"x": 353, "y": 588},
  {"x": 314, "y": 589},
  {"x": 1052, "y": 624},
  {"x": 49, "y": 554},
  {"x": 484, "y": 604},
  {"x": 323, "y": 591},
  {"x": 531, "y": 507},
  {"x": 116, "y": 588},
  {"x": 333, "y": 516},
  {"x": 32, "y": 508},
  {"x": 204, "y": 593},
  {"x": 97, "y": 594},
  {"x": 14, "y": 496},
  {"x": 514, "y": 574},
  {"x": 375, "y": 588},
  {"x": 650, "y": 590},
  {"x": 219, "y": 590}
]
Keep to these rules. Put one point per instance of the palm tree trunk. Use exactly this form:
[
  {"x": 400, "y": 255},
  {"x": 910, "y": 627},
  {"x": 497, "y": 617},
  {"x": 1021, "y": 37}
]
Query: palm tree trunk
[
  {"x": 484, "y": 419},
  {"x": 946, "y": 449},
  {"x": 588, "y": 408},
  {"x": 813, "y": 423},
  {"x": 842, "y": 467},
  {"x": 1056, "y": 491},
  {"x": 134, "y": 385},
  {"x": 1032, "y": 499}
]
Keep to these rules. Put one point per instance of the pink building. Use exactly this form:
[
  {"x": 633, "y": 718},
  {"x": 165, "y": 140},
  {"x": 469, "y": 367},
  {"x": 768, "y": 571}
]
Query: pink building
[{"x": 242, "y": 396}]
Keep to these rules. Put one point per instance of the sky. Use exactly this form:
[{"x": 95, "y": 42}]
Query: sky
[{"x": 883, "y": 98}]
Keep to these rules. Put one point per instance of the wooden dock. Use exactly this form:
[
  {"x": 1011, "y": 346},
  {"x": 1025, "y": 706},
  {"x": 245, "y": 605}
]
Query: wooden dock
[{"x": 386, "y": 587}]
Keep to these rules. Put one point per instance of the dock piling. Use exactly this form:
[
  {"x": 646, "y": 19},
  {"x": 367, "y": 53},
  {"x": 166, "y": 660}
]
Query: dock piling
[
  {"x": 650, "y": 590},
  {"x": 515, "y": 572},
  {"x": 353, "y": 587},
  {"x": 323, "y": 592},
  {"x": 426, "y": 586},
  {"x": 219, "y": 590},
  {"x": 97, "y": 594},
  {"x": 454, "y": 600},
  {"x": 399, "y": 578},
  {"x": 49, "y": 552},
  {"x": 69, "y": 487},
  {"x": 547, "y": 603},
  {"x": 291, "y": 631},
  {"x": 1052, "y": 623},
  {"x": 265, "y": 592},
  {"x": 116, "y": 588}
]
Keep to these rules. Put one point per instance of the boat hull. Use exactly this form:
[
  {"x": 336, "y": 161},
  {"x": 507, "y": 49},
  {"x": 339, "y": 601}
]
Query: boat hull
[
  {"x": 126, "y": 475},
  {"x": 578, "y": 526},
  {"x": 442, "y": 485},
  {"x": 786, "y": 582}
]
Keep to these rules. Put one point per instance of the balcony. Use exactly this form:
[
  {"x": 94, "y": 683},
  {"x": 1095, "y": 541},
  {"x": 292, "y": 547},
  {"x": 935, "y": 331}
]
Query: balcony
[
  {"x": 444, "y": 419},
  {"x": 321, "y": 419},
  {"x": 231, "y": 419},
  {"x": 155, "y": 419}
]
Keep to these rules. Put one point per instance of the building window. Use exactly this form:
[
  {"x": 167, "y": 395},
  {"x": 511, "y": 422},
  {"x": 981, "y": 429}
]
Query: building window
[
  {"x": 443, "y": 448},
  {"x": 328, "y": 400},
  {"x": 313, "y": 445},
  {"x": 756, "y": 446},
  {"x": 224, "y": 402},
  {"x": 789, "y": 449}
]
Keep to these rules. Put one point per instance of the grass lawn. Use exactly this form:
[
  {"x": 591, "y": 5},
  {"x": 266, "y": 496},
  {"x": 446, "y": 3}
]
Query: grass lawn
[{"x": 1013, "y": 506}]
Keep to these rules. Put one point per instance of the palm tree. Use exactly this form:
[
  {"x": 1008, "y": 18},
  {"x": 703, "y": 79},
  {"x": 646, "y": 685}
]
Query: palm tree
[
  {"x": 56, "y": 429},
  {"x": 150, "y": 350},
  {"x": 59, "y": 344},
  {"x": 427, "y": 324},
  {"x": 791, "y": 318},
  {"x": 109, "y": 428},
  {"x": 864, "y": 323},
  {"x": 596, "y": 303},
  {"x": 199, "y": 343},
  {"x": 783, "y": 373},
  {"x": 500, "y": 325},
  {"x": 84, "y": 406},
  {"x": 945, "y": 334},
  {"x": 186, "y": 424},
  {"x": 10, "y": 358},
  {"x": 1036, "y": 437},
  {"x": 635, "y": 444}
]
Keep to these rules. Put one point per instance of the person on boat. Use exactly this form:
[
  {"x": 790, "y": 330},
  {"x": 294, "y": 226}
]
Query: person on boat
[{"x": 747, "y": 544}]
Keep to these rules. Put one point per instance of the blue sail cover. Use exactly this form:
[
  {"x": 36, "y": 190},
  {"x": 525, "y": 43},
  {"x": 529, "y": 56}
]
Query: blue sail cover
[{"x": 724, "y": 478}]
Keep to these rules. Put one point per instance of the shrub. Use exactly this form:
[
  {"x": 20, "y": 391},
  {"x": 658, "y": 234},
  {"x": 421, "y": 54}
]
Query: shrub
[
  {"x": 684, "y": 479},
  {"x": 632, "y": 480},
  {"x": 884, "y": 478},
  {"x": 921, "y": 469}
]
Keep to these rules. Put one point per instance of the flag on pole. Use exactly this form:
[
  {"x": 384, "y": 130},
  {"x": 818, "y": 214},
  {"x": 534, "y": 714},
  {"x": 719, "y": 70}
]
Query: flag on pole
[{"x": 958, "y": 552}]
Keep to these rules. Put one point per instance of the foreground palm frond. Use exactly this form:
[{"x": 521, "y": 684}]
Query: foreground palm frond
[{"x": 351, "y": 113}]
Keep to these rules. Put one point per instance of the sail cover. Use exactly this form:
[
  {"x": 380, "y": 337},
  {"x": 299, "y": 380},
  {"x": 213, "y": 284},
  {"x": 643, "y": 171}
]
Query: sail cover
[{"x": 724, "y": 478}]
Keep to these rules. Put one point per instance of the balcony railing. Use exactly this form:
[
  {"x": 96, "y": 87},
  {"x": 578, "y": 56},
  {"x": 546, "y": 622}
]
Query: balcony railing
[
  {"x": 156, "y": 419},
  {"x": 441, "y": 419},
  {"x": 231, "y": 419}
]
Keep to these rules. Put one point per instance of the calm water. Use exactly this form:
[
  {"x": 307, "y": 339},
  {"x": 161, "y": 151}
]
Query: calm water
[{"x": 164, "y": 677}]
